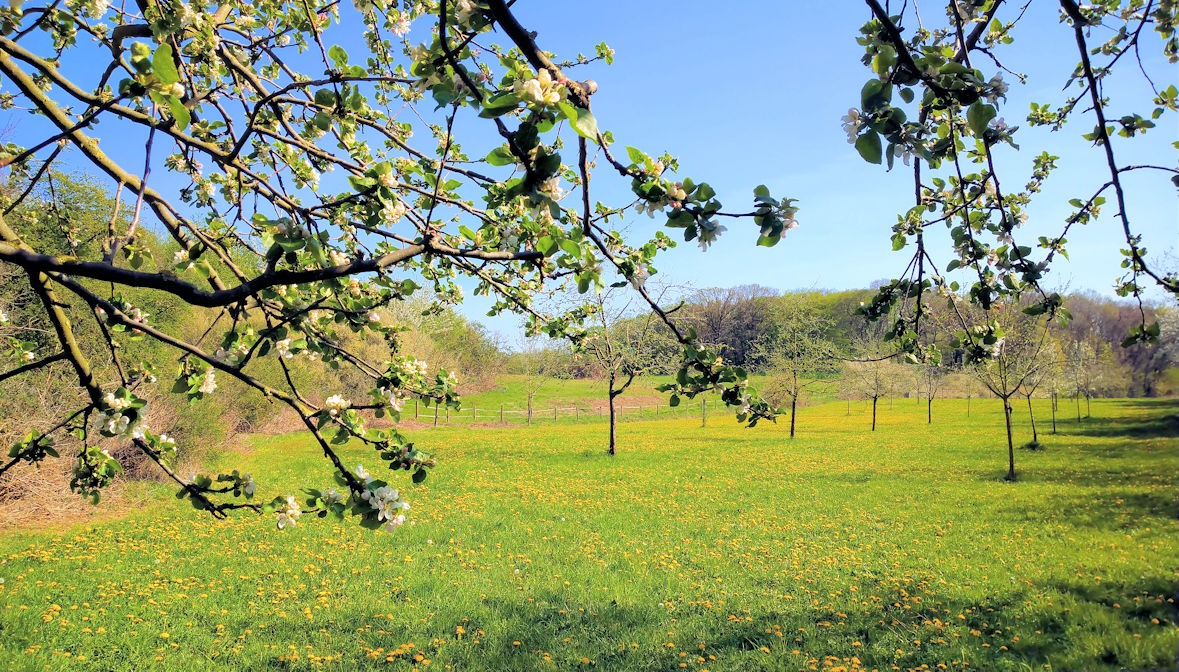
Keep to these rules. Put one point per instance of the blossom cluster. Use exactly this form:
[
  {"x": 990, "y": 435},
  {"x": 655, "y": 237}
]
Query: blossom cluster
[
  {"x": 540, "y": 90},
  {"x": 288, "y": 516},
  {"x": 388, "y": 504}
]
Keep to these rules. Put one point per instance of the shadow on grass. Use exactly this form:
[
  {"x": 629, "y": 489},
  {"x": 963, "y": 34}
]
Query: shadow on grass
[
  {"x": 1111, "y": 510},
  {"x": 1162, "y": 420}
]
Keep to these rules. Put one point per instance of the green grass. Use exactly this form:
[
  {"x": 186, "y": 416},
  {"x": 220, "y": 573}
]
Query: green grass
[
  {"x": 587, "y": 396},
  {"x": 714, "y": 548}
]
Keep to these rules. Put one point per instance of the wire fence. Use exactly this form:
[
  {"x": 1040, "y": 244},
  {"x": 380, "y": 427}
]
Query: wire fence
[{"x": 505, "y": 415}]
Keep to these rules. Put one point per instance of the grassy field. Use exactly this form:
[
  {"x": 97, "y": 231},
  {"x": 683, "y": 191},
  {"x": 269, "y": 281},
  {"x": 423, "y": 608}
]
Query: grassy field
[{"x": 714, "y": 548}]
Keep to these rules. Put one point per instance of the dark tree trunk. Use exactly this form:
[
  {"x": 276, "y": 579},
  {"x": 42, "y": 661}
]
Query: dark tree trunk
[
  {"x": 968, "y": 405},
  {"x": 929, "y": 411},
  {"x": 793, "y": 413},
  {"x": 1077, "y": 397},
  {"x": 613, "y": 418},
  {"x": 874, "y": 400},
  {"x": 1088, "y": 406},
  {"x": 1010, "y": 444},
  {"x": 1032, "y": 415},
  {"x": 1054, "y": 402}
]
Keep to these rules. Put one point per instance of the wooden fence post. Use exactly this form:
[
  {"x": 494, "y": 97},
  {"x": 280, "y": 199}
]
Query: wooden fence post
[{"x": 501, "y": 414}]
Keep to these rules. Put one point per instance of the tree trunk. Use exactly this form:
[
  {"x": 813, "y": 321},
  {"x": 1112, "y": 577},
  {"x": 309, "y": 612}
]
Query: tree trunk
[
  {"x": 874, "y": 400},
  {"x": 1077, "y": 398},
  {"x": 929, "y": 411},
  {"x": 1088, "y": 406},
  {"x": 530, "y": 408},
  {"x": 849, "y": 406},
  {"x": 613, "y": 417},
  {"x": 793, "y": 413},
  {"x": 968, "y": 405},
  {"x": 1010, "y": 444},
  {"x": 1054, "y": 402},
  {"x": 1032, "y": 415}
]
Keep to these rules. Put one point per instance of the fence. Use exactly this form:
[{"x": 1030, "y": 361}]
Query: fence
[{"x": 504, "y": 415}]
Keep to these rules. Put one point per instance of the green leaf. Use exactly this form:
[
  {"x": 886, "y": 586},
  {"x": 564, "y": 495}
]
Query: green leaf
[
  {"x": 546, "y": 246},
  {"x": 500, "y": 157},
  {"x": 419, "y": 475},
  {"x": 499, "y": 105},
  {"x": 164, "y": 66},
  {"x": 338, "y": 56},
  {"x": 870, "y": 93},
  {"x": 979, "y": 116},
  {"x": 585, "y": 124},
  {"x": 868, "y": 145},
  {"x": 570, "y": 247},
  {"x": 179, "y": 113},
  {"x": 636, "y": 156}
]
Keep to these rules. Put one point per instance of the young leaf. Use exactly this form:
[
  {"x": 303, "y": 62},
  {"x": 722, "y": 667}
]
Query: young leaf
[{"x": 868, "y": 145}]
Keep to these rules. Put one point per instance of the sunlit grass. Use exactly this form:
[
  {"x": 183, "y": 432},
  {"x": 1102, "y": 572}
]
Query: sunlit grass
[{"x": 714, "y": 548}]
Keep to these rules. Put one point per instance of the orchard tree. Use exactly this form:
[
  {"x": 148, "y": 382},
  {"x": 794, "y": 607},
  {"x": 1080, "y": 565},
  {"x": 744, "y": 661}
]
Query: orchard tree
[
  {"x": 873, "y": 376},
  {"x": 1040, "y": 374},
  {"x": 1016, "y": 355},
  {"x": 624, "y": 346},
  {"x": 303, "y": 159},
  {"x": 930, "y": 378},
  {"x": 793, "y": 349}
]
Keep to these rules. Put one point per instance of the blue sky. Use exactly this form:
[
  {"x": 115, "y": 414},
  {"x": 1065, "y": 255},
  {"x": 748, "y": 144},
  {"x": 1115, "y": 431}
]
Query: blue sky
[{"x": 752, "y": 92}]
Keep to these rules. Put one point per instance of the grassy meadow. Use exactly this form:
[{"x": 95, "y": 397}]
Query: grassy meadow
[{"x": 715, "y": 548}]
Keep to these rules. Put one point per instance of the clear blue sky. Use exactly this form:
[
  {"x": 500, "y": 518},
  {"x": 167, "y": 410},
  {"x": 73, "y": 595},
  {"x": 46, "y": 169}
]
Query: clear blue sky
[{"x": 752, "y": 92}]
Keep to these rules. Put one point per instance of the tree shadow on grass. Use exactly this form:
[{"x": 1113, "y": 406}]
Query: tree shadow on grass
[
  {"x": 1128, "y": 420},
  {"x": 1115, "y": 509},
  {"x": 881, "y": 625}
]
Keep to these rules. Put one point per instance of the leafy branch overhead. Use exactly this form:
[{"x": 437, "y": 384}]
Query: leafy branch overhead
[
  {"x": 313, "y": 181},
  {"x": 935, "y": 101}
]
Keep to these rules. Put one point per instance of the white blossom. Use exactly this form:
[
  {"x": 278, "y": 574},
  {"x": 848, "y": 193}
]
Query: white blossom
[
  {"x": 540, "y": 90},
  {"x": 290, "y": 515},
  {"x": 639, "y": 277},
  {"x": 209, "y": 383},
  {"x": 465, "y": 10},
  {"x": 392, "y": 398},
  {"x": 363, "y": 474},
  {"x": 393, "y": 212},
  {"x": 336, "y": 403},
  {"x": 708, "y": 233},
  {"x": 115, "y": 403},
  {"x": 998, "y": 88},
  {"x": 283, "y": 348},
  {"x": 851, "y": 124},
  {"x": 249, "y": 486}
]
